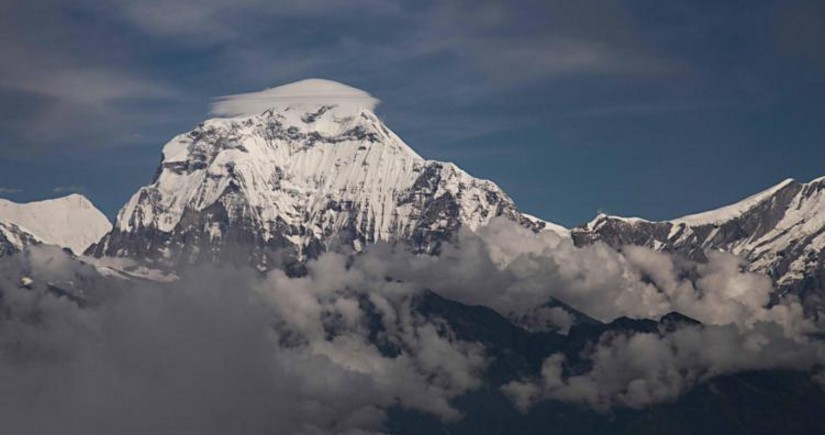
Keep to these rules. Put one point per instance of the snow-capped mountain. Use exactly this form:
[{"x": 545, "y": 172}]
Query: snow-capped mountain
[
  {"x": 780, "y": 231},
  {"x": 70, "y": 222},
  {"x": 296, "y": 170},
  {"x": 315, "y": 170}
]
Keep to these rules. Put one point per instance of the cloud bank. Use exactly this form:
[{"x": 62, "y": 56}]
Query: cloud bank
[
  {"x": 223, "y": 350},
  {"x": 514, "y": 270},
  {"x": 636, "y": 370},
  {"x": 219, "y": 351}
]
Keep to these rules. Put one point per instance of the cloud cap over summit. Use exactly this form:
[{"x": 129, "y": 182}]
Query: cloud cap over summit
[{"x": 307, "y": 92}]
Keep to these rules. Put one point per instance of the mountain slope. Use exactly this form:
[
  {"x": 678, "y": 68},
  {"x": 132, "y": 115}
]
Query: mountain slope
[
  {"x": 13, "y": 239},
  {"x": 71, "y": 221},
  {"x": 780, "y": 231},
  {"x": 298, "y": 179}
]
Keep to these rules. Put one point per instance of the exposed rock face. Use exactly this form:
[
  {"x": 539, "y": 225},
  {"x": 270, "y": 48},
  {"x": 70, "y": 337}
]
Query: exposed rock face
[
  {"x": 780, "y": 231},
  {"x": 294, "y": 181},
  {"x": 13, "y": 239}
]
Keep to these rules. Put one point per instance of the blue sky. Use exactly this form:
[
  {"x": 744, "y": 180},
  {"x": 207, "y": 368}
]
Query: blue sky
[{"x": 643, "y": 107}]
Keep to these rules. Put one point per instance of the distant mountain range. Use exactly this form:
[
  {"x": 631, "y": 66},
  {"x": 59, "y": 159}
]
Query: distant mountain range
[
  {"x": 277, "y": 188},
  {"x": 303, "y": 178}
]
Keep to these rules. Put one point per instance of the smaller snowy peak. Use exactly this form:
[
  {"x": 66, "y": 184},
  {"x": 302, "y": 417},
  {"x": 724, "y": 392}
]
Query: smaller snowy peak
[
  {"x": 304, "y": 93},
  {"x": 71, "y": 221}
]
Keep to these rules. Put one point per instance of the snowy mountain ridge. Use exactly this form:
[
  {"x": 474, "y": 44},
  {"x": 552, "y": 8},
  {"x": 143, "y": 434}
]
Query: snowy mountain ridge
[
  {"x": 734, "y": 210},
  {"x": 71, "y": 221},
  {"x": 295, "y": 180},
  {"x": 779, "y": 231}
]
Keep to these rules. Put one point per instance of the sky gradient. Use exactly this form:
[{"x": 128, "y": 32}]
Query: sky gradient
[{"x": 644, "y": 108}]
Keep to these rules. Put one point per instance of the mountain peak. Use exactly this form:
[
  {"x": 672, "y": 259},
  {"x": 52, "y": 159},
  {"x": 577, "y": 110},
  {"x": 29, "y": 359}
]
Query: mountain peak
[
  {"x": 304, "y": 93},
  {"x": 308, "y": 168},
  {"x": 70, "y": 221}
]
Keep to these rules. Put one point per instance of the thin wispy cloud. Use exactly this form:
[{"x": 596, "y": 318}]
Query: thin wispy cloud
[
  {"x": 69, "y": 189},
  {"x": 72, "y": 101}
]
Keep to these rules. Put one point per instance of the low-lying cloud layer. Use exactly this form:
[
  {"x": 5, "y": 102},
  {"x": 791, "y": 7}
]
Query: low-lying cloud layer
[
  {"x": 231, "y": 351},
  {"x": 221, "y": 351},
  {"x": 641, "y": 369},
  {"x": 513, "y": 270}
]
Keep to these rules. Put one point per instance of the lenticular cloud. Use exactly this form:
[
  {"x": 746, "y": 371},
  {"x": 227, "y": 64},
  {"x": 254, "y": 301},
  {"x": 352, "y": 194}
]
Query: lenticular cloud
[{"x": 304, "y": 92}]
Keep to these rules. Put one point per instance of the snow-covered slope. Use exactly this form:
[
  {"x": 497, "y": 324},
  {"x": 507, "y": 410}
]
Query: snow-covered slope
[
  {"x": 71, "y": 221},
  {"x": 780, "y": 231},
  {"x": 732, "y": 211},
  {"x": 299, "y": 178}
]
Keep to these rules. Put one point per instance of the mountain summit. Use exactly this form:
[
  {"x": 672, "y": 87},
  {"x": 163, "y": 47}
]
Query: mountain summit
[
  {"x": 70, "y": 222},
  {"x": 315, "y": 169}
]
